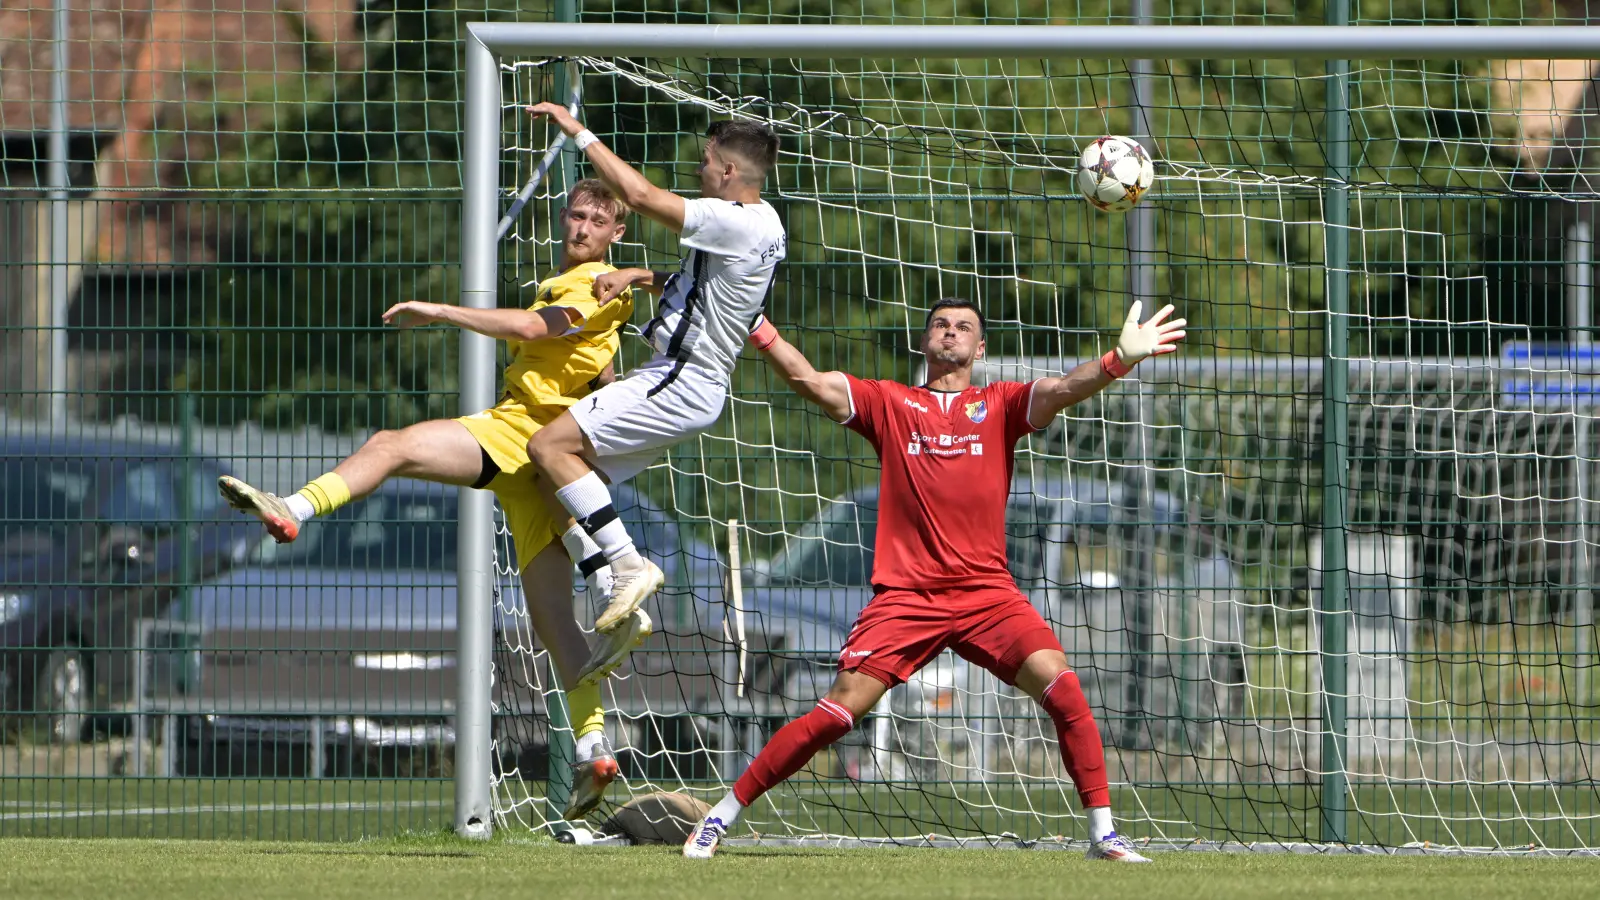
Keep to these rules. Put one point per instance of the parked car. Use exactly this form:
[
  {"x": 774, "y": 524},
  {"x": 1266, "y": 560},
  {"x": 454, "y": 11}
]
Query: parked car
[
  {"x": 346, "y": 638},
  {"x": 91, "y": 541},
  {"x": 1127, "y": 645}
]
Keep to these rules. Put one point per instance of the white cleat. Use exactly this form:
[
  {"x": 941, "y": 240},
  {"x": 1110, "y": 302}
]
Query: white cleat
[
  {"x": 629, "y": 589},
  {"x": 703, "y": 841},
  {"x": 613, "y": 647},
  {"x": 598, "y": 582},
  {"x": 590, "y": 779},
  {"x": 267, "y": 507},
  {"x": 1115, "y": 848}
]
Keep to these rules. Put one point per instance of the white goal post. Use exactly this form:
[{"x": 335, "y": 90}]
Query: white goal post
[{"x": 487, "y": 44}]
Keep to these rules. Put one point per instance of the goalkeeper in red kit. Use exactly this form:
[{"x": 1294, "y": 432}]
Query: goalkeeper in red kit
[{"x": 939, "y": 573}]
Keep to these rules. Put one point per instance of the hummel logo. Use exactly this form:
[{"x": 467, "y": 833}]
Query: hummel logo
[
  {"x": 915, "y": 405},
  {"x": 857, "y": 654}
]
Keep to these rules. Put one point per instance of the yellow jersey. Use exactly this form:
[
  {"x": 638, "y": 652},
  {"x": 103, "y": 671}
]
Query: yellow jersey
[{"x": 556, "y": 370}]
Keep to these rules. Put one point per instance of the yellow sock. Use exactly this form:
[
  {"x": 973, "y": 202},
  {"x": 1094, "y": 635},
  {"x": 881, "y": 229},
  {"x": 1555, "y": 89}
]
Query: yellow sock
[
  {"x": 584, "y": 711},
  {"x": 326, "y": 494}
]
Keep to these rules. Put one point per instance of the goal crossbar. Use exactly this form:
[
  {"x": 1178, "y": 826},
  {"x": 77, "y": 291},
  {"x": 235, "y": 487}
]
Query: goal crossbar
[{"x": 1312, "y": 42}]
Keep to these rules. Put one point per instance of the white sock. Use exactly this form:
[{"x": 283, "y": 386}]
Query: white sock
[
  {"x": 727, "y": 809},
  {"x": 586, "y": 555},
  {"x": 590, "y": 503},
  {"x": 1100, "y": 823},
  {"x": 299, "y": 507},
  {"x": 588, "y": 743}
]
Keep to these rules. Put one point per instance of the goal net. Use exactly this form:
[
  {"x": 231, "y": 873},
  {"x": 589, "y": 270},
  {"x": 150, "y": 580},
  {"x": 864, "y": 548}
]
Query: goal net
[{"x": 1173, "y": 528}]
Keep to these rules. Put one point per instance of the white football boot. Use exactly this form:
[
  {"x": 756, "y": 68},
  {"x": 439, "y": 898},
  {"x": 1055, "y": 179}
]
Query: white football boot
[
  {"x": 590, "y": 779},
  {"x": 612, "y": 647},
  {"x": 629, "y": 588},
  {"x": 268, "y": 507},
  {"x": 704, "y": 840},
  {"x": 1115, "y": 848}
]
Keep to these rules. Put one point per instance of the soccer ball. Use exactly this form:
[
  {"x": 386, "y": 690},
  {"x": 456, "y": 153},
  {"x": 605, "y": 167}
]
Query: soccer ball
[
  {"x": 659, "y": 818},
  {"x": 1114, "y": 173}
]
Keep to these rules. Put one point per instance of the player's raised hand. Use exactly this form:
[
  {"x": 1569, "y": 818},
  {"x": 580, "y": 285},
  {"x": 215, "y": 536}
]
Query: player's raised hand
[
  {"x": 1152, "y": 338},
  {"x": 412, "y": 314},
  {"x": 558, "y": 114}
]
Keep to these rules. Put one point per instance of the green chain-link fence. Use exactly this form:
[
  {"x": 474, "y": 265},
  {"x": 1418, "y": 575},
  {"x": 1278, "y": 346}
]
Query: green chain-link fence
[{"x": 250, "y": 189}]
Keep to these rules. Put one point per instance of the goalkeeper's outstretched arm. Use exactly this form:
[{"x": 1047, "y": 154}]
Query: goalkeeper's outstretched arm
[
  {"x": 828, "y": 390},
  {"x": 1137, "y": 342}
]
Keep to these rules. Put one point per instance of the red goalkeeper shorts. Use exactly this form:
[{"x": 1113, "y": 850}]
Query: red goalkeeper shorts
[{"x": 901, "y": 631}]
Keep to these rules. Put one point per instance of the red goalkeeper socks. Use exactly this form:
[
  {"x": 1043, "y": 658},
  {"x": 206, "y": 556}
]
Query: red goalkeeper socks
[
  {"x": 1081, "y": 752},
  {"x": 795, "y": 743}
]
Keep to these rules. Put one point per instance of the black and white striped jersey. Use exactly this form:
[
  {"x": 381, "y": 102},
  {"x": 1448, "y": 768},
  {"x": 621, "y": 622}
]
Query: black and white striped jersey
[{"x": 705, "y": 311}]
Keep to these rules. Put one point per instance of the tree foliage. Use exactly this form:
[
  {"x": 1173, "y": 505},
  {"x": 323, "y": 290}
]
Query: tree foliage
[{"x": 905, "y": 181}]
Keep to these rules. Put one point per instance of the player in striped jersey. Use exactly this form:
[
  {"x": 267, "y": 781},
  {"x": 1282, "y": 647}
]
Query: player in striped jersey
[{"x": 733, "y": 242}]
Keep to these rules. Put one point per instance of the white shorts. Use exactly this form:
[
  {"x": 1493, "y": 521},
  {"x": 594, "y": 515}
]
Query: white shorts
[{"x": 632, "y": 421}]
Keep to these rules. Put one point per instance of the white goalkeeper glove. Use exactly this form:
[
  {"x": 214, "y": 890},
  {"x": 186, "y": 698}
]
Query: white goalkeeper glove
[{"x": 1138, "y": 342}]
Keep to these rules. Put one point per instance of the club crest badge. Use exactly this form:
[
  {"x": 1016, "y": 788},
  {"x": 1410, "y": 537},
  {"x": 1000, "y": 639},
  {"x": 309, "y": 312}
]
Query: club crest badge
[{"x": 978, "y": 411}]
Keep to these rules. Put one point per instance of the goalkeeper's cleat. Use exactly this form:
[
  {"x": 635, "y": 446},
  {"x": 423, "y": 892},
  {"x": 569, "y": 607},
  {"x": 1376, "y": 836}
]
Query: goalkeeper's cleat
[
  {"x": 629, "y": 588},
  {"x": 1115, "y": 848},
  {"x": 590, "y": 779},
  {"x": 704, "y": 840},
  {"x": 612, "y": 647},
  {"x": 269, "y": 508}
]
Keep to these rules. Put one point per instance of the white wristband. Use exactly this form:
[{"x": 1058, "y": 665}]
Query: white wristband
[{"x": 583, "y": 139}]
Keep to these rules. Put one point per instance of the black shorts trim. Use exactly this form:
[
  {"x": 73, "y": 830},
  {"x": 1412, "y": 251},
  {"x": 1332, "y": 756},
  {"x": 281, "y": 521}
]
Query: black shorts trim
[{"x": 488, "y": 472}]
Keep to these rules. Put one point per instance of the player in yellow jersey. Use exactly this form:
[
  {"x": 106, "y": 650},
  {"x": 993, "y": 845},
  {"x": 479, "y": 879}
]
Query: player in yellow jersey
[{"x": 562, "y": 348}]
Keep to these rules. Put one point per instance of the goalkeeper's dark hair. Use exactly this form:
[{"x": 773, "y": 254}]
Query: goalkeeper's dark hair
[
  {"x": 593, "y": 190},
  {"x": 956, "y": 303},
  {"x": 753, "y": 142}
]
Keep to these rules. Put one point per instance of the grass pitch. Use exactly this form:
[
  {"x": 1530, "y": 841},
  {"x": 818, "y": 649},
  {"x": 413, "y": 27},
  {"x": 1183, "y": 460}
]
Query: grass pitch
[{"x": 434, "y": 866}]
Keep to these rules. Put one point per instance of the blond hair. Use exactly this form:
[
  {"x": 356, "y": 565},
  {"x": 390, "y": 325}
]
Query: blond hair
[{"x": 593, "y": 190}]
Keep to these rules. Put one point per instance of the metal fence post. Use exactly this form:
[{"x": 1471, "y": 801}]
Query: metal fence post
[
  {"x": 1332, "y": 617},
  {"x": 60, "y": 239},
  {"x": 1579, "y": 256},
  {"x": 1141, "y": 237},
  {"x": 563, "y": 751},
  {"x": 187, "y": 518}
]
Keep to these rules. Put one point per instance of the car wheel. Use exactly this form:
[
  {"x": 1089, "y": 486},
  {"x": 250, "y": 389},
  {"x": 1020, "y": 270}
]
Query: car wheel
[{"x": 61, "y": 696}]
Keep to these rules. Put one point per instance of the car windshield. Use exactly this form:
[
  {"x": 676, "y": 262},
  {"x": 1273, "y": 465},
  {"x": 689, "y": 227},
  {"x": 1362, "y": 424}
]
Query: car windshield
[
  {"x": 39, "y": 499},
  {"x": 384, "y": 531},
  {"x": 837, "y": 548},
  {"x": 149, "y": 493},
  {"x": 416, "y": 529},
  {"x": 833, "y": 549},
  {"x": 1028, "y": 527}
]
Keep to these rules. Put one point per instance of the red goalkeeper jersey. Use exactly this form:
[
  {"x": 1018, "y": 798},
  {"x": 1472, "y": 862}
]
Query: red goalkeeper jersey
[{"x": 947, "y": 460}]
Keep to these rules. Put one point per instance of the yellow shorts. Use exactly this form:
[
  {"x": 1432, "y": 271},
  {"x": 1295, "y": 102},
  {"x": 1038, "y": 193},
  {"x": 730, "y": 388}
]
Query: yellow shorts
[{"x": 503, "y": 431}]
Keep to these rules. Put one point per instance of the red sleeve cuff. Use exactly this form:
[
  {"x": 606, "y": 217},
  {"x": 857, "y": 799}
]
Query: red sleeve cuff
[{"x": 1112, "y": 365}]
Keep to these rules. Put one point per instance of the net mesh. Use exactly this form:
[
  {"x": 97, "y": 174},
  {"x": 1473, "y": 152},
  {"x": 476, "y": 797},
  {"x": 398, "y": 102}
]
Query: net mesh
[{"x": 1168, "y": 528}]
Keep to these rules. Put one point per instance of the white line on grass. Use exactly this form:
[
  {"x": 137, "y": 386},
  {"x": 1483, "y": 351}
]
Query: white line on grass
[{"x": 232, "y": 808}]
